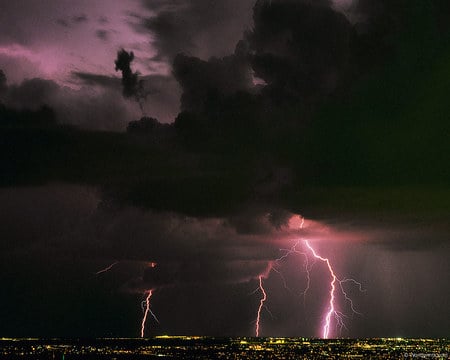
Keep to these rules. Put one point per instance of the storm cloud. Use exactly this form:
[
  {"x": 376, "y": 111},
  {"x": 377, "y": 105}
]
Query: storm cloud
[
  {"x": 289, "y": 43},
  {"x": 88, "y": 109},
  {"x": 196, "y": 28},
  {"x": 339, "y": 117},
  {"x": 200, "y": 80}
]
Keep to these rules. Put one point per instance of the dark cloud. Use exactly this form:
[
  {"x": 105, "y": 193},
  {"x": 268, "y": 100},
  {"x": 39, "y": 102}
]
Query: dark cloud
[
  {"x": 233, "y": 146},
  {"x": 61, "y": 207},
  {"x": 92, "y": 230},
  {"x": 235, "y": 143},
  {"x": 294, "y": 53},
  {"x": 32, "y": 93},
  {"x": 200, "y": 80},
  {"x": 222, "y": 107},
  {"x": 132, "y": 87},
  {"x": 348, "y": 127},
  {"x": 163, "y": 100},
  {"x": 162, "y": 92},
  {"x": 77, "y": 233},
  {"x": 98, "y": 80},
  {"x": 197, "y": 28},
  {"x": 100, "y": 110}
]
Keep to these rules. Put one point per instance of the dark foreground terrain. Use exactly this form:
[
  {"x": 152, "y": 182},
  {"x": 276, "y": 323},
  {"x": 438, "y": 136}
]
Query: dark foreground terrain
[{"x": 223, "y": 348}]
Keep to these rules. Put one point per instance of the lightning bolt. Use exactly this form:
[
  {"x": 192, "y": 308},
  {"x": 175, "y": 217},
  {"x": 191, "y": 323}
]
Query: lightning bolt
[
  {"x": 331, "y": 311},
  {"x": 261, "y": 304},
  {"x": 291, "y": 251},
  {"x": 336, "y": 284},
  {"x": 332, "y": 294},
  {"x": 146, "y": 310},
  {"x": 107, "y": 268},
  {"x": 272, "y": 266}
]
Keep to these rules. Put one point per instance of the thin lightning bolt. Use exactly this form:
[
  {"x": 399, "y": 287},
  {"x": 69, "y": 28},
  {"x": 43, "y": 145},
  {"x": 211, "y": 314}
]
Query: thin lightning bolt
[
  {"x": 335, "y": 283},
  {"x": 307, "y": 266},
  {"x": 283, "y": 279},
  {"x": 294, "y": 250},
  {"x": 331, "y": 303},
  {"x": 107, "y": 268},
  {"x": 308, "y": 277},
  {"x": 146, "y": 309},
  {"x": 272, "y": 267},
  {"x": 261, "y": 304}
]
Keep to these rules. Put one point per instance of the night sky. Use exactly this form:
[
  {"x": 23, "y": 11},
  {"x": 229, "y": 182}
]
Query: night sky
[{"x": 192, "y": 143}]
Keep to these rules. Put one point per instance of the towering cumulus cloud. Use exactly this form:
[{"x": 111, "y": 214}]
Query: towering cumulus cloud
[
  {"x": 201, "y": 80},
  {"x": 200, "y": 28},
  {"x": 294, "y": 52}
]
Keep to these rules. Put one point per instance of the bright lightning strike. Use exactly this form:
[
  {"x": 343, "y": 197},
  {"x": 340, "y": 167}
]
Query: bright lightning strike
[
  {"x": 146, "y": 310},
  {"x": 261, "y": 304},
  {"x": 331, "y": 303},
  {"x": 335, "y": 283},
  {"x": 331, "y": 311}
]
